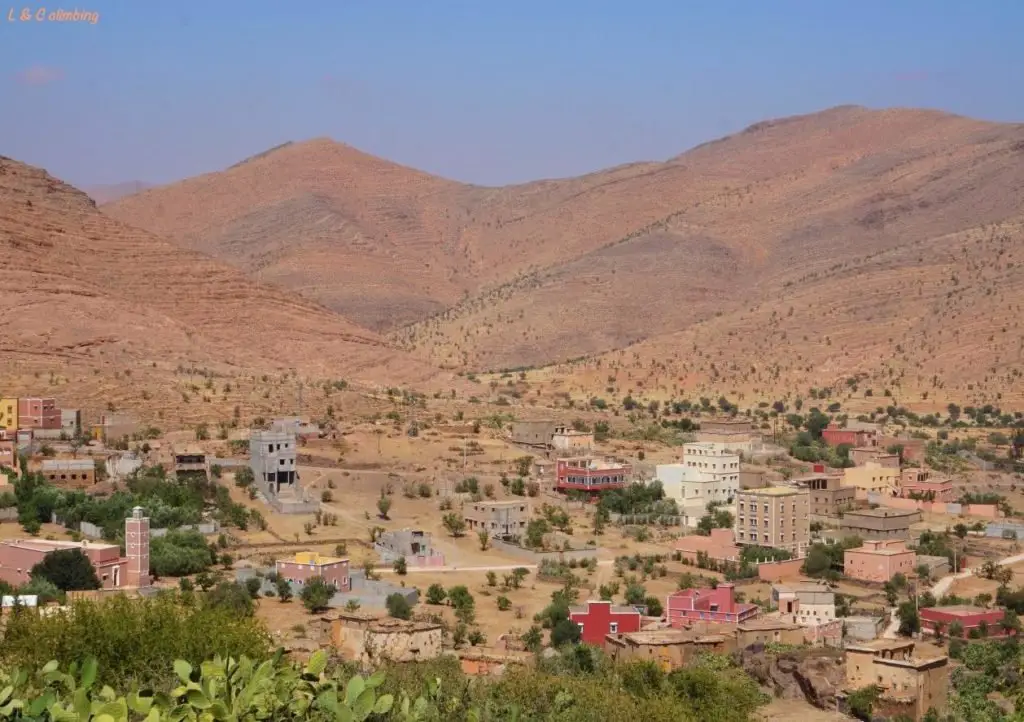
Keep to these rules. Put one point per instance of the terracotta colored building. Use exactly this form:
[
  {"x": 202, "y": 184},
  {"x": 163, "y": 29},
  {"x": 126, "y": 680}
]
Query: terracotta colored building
[
  {"x": 307, "y": 565},
  {"x": 720, "y": 545},
  {"x": 18, "y": 556},
  {"x": 969, "y": 617},
  {"x": 907, "y": 685},
  {"x": 854, "y": 435},
  {"x": 598, "y": 619},
  {"x": 879, "y": 560},
  {"x": 591, "y": 475},
  {"x": 668, "y": 648},
  {"x": 915, "y": 482},
  {"x": 38, "y": 413},
  {"x": 707, "y": 605}
]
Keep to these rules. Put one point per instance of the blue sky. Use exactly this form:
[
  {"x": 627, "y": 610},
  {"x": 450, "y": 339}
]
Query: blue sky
[{"x": 487, "y": 92}]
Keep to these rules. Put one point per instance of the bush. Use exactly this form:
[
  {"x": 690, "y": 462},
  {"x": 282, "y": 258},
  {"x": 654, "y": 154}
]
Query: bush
[
  {"x": 316, "y": 594},
  {"x": 68, "y": 570},
  {"x": 179, "y": 554},
  {"x": 134, "y": 640},
  {"x": 398, "y": 606}
]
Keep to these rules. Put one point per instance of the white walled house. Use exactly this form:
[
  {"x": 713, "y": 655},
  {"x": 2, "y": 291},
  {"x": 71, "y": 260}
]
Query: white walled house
[{"x": 705, "y": 474}]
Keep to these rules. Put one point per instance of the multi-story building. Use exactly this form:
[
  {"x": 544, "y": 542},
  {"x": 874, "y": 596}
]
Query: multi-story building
[
  {"x": 776, "y": 516},
  {"x": 688, "y": 606},
  {"x": 598, "y": 619},
  {"x": 272, "y": 458},
  {"x": 907, "y": 685},
  {"x": 537, "y": 434},
  {"x": 706, "y": 474},
  {"x": 501, "y": 519},
  {"x": 862, "y": 455},
  {"x": 916, "y": 483},
  {"x": 189, "y": 459},
  {"x": 972, "y": 620},
  {"x": 806, "y": 603},
  {"x": 38, "y": 413},
  {"x": 856, "y": 434},
  {"x": 73, "y": 473},
  {"x": 18, "y": 556},
  {"x": 570, "y": 441},
  {"x": 828, "y": 496},
  {"x": 9, "y": 414},
  {"x": 71, "y": 422},
  {"x": 732, "y": 435},
  {"x": 306, "y": 565},
  {"x": 116, "y": 426},
  {"x": 879, "y": 560},
  {"x": 880, "y": 523},
  {"x": 872, "y": 477},
  {"x": 413, "y": 545},
  {"x": 591, "y": 475}
]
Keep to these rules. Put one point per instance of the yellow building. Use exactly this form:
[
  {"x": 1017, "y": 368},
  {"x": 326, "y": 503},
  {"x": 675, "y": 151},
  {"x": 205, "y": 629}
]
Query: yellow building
[
  {"x": 872, "y": 477},
  {"x": 9, "y": 414}
]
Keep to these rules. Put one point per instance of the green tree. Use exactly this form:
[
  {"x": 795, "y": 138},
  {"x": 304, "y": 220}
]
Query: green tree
[
  {"x": 463, "y": 603},
  {"x": 398, "y": 606},
  {"x": 383, "y": 506},
  {"x": 436, "y": 594},
  {"x": 233, "y": 597},
  {"x": 68, "y": 569},
  {"x": 454, "y": 524},
  {"x": 316, "y": 594},
  {"x": 565, "y": 632},
  {"x": 400, "y": 566},
  {"x": 244, "y": 477},
  {"x": 484, "y": 538},
  {"x": 284, "y": 589},
  {"x": 533, "y": 638}
]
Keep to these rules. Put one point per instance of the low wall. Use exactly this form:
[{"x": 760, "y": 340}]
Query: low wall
[
  {"x": 987, "y": 511},
  {"x": 538, "y": 556},
  {"x": 1004, "y": 530},
  {"x": 779, "y": 571},
  {"x": 9, "y": 514}
]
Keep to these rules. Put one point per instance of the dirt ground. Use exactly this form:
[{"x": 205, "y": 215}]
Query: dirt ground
[{"x": 788, "y": 710}]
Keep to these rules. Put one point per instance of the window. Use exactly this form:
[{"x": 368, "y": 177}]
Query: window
[{"x": 614, "y": 628}]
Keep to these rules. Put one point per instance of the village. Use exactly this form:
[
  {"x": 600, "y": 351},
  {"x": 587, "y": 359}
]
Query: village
[{"x": 847, "y": 564}]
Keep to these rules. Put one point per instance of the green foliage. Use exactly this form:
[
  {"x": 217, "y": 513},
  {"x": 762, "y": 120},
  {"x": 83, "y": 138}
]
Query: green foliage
[
  {"x": 179, "y": 553},
  {"x": 133, "y": 639},
  {"x": 232, "y": 597},
  {"x": 436, "y": 594},
  {"x": 316, "y": 594},
  {"x": 398, "y": 606},
  {"x": 68, "y": 570}
]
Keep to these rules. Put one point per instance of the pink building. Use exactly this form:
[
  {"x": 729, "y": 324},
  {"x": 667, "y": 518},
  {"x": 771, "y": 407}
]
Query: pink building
[
  {"x": 591, "y": 474},
  {"x": 18, "y": 556},
  {"x": 720, "y": 546},
  {"x": 307, "y": 565},
  {"x": 707, "y": 605},
  {"x": 879, "y": 560},
  {"x": 598, "y": 619},
  {"x": 970, "y": 619},
  {"x": 38, "y": 413},
  {"x": 855, "y": 434},
  {"x": 921, "y": 484}
]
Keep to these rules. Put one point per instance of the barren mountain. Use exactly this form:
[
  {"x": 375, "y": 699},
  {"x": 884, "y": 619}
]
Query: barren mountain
[
  {"x": 531, "y": 274},
  {"x": 86, "y": 292},
  {"x": 113, "y": 192}
]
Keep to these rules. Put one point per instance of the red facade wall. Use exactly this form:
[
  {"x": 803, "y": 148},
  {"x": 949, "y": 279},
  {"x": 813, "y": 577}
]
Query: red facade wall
[
  {"x": 992, "y": 617},
  {"x": 597, "y": 622},
  {"x": 570, "y": 477},
  {"x": 16, "y": 564},
  {"x": 336, "y": 574},
  {"x": 38, "y": 413},
  {"x": 707, "y": 605}
]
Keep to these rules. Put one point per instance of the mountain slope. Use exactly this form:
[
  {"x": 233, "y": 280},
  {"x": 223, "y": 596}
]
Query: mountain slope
[
  {"x": 84, "y": 291},
  {"x": 113, "y": 192},
  {"x": 531, "y": 274}
]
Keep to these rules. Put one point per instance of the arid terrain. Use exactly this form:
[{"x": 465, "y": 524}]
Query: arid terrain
[{"x": 813, "y": 248}]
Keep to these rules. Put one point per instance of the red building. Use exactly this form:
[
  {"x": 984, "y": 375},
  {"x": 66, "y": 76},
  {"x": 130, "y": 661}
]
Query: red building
[
  {"x": 970, "y": 618},
  {"x": 591, "y": 475},
  {"x": 18, "y": 556},
  {"x": 599, "y": 619},
  {"x": 306, "y": 565},
  {"x": 855, "y": 435},
  {"x": 38, "y": 413},
  {"x": 707, "y": 605}
]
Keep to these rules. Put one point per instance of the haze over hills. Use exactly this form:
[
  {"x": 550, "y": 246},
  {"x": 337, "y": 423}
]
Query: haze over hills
[
  {"x": 792, "y": 212},
  {"x": 86, "y": 293},
  {"x": 114, "y": 191}
]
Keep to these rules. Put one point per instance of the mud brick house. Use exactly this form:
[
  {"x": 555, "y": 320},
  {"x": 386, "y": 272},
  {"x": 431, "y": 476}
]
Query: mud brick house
[
  {"x": 828, "y": 496},
  {"x": 372, "y": 640},
  {"x": 501, "y": 519},
  {"x": 668, "y": 648},
  {"x": 598, "y": 619},
  {"x": 907, "y": 685},
  {"x": 881, "y": 523}
]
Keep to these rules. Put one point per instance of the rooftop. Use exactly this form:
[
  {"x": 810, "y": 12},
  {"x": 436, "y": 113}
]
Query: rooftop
[
  {"x": 963, "y": 610},
  {"x": 315, "y": 558},
  {"x": 500, "y": 504},
  {"x": 882, "y": 513},
  {"x": 596, "y": 464},
  {"x": 797, "y": 587},
  {"x": 51, "y": 545},
  {"x": 68, "y": 465},
  {"x": 766, "y": 624},
  {"x": 773, "y": 491},
  {"x": 190, "y": 450},
  {"x": 616, "y": 609},
  {"x": 882, "y": 645}
]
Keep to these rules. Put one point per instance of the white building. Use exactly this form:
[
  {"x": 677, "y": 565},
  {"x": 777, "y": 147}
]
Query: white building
[
  {"x": 706, "y": 474},
  {"x": 808, "y": 604}
]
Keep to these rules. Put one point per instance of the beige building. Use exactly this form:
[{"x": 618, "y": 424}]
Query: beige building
[
  {"x": 502, "y": 519},
  {"x": 733, "y": 435},
  {"x": 879, "y": 560},
  {"x": 767, "y": 630},
  {"x": 864, "y": 454},
  {"x": 908, "y": 685},
  {"x": 568, "y": 440},
  {"x": 828, "y": 496},
  {"x": 776, "y": 516},
  {"x": 805, "y": 603},
  {"x": 872, "y": 477},
  {"x": 880, "y": 523},
  {"x": 69, "y": 473},
  {"x": 669, "y": 648},
  {"x": 371, "y": 640}
]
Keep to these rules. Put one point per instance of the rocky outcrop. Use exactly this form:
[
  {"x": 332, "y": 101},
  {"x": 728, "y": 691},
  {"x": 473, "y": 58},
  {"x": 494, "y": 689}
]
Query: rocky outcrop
[{"x": 814, "y": 675}]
